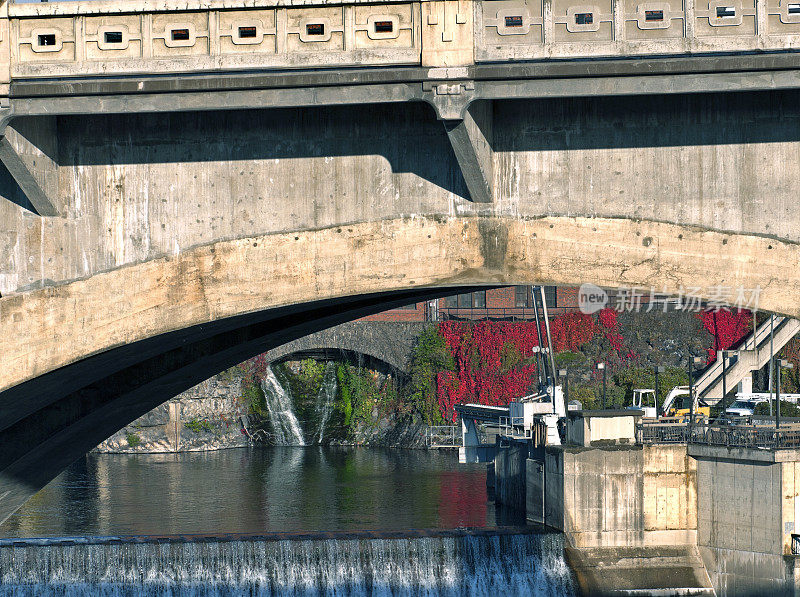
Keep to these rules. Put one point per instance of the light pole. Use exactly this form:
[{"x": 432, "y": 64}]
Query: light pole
[
  {"x": 602, "y": 367},
  {"x": 562, "y": 373},
  {"x": 779, "y": 364},
  {"x": 695, "y": 361},
  {"x": 724, "y": 354}
]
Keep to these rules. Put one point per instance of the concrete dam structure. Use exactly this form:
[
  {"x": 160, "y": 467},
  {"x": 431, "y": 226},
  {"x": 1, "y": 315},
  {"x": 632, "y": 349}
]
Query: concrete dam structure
[{"x": 186, "y": 186}]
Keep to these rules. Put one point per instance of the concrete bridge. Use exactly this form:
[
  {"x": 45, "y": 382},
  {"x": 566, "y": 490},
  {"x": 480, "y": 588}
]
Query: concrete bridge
[{"x": 188, "y": 185}]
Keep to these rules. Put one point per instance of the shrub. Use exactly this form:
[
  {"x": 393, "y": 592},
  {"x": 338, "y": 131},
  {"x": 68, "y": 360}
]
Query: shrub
[
  {"x": 253, "y": 397},
  {"x": 644, "y": 377},
  {"x": 133, "y": 440},
  {"x": 788, "y": 409},
  {"x": 198, "y": 426},
  {"x": 430, "y": 357}
]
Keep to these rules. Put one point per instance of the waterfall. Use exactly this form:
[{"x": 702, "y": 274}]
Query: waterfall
[
  {"x": 325, "y": 398},
  {"x": 453, "y": 563},
  {"x": 281, "y": 413}
]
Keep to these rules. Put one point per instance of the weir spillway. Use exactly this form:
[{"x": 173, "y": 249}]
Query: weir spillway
[{"x": 460, "y": 562}]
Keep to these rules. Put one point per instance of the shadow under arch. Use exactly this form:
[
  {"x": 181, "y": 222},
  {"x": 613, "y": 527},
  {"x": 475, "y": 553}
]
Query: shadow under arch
[{"x": 50, "y": 421}]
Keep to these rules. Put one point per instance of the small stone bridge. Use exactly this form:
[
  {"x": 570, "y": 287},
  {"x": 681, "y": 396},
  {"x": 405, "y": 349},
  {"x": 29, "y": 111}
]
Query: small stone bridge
[{"x": 389, "y": 343}]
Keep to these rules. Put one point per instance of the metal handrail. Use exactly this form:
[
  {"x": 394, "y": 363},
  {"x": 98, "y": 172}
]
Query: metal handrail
[
  {"x": 712, "y": 434},
  {"x": 443, "y": 436}
]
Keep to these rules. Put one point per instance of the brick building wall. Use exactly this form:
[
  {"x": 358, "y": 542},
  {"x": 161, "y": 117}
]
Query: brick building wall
[{"x": 500, "y": 303}]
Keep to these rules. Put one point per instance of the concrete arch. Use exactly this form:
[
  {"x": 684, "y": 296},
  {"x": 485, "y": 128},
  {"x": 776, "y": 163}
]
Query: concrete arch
[{"x": 83, "y": 359}]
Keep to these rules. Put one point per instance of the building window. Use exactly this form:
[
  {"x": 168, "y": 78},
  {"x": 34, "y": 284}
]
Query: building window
[
  {"x": 523, "y": 296},
  {"x": 470, "y": 300}
]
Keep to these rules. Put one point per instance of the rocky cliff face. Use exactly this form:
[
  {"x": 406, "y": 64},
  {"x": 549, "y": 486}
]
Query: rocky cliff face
[{"x": 206, "y": 417}]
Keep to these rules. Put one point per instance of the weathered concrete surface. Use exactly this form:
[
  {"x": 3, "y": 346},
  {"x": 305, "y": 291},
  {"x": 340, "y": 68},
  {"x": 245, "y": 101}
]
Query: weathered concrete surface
[
  {"x": 52, "y": 327},
  {"x": 621, "y": 496},
  {"x": 666, "y": 569},
  {"x": 629, "y": 514},
  {"x": 746, "y": 515}
]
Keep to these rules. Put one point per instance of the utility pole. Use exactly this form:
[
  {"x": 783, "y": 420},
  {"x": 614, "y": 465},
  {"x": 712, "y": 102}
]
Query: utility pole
[{"x": 602, "y": 367}]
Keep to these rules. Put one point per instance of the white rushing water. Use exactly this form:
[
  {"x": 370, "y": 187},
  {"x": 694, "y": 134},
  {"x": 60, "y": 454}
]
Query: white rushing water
[
  {"x": 480, "y": 566},
  {"x": 325, "y": 398},
  {"x": 281, "y": 413}
]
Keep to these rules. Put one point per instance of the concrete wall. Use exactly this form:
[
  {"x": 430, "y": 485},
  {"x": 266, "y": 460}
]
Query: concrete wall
[
  {"x": 442, "y": 33},
  {"x": 510, "y": 474},
  {"x": 624, "y": 496},
  {"x": 588, "y": 428},
  {"x": 746, "y": 516}
]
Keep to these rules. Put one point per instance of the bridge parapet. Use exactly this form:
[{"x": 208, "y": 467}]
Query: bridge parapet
[{"x": 108, "y": 37}]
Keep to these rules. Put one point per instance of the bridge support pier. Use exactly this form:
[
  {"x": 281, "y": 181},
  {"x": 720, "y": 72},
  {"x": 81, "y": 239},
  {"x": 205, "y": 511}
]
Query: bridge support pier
[
  {"x": 471, "y": 139},
  {"x": 28, "y": 150}
]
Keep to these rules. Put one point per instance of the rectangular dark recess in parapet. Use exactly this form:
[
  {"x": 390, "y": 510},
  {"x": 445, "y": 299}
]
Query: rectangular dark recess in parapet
[
  {"x": 514, "y": 21},
  {"x": 384, "y": 26},
  {"x": 654, "y": 15},
  {"x": 794, "y": 9},
  {"x": 180, "y": 35},
  {"x": 726, "y": 11},
  {"x": 247, "y": 32},
  {"x": 113, "y": 37},
  {"x": 47, "y": 39},
  {"x": 315, "y": 29},
  {"x": 584, "y": 18}
]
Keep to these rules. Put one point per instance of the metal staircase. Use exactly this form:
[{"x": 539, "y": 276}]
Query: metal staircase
[{"x": 752, "y": 354}]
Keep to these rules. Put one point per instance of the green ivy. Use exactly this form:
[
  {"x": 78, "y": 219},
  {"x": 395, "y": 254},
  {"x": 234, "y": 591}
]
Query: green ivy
[
  {"x": 644, "y": 377},
  {"x": 430, "y": 356},
  {"x": 253, "y": 397},
  {"x": 198, "y": 426}
]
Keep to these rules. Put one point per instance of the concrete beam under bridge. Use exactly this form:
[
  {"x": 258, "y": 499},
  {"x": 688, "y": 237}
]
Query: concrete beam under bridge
[
  {"x": 29, "y": 150},
  {"x": 471, "y": 139}
]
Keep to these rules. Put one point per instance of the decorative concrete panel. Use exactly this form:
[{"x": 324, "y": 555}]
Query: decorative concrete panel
[
  {"x": 201, "y": 40},
  {"x": 721, "y": 18},
  {"x": 581, "y": 22},
  {"x": 45, "y": 40},
  {"x": 180, "y": 34},
  {"x": 243, "y": 31},
  {"x": 112, "y": 41},
  {"x": 385, "y": 26},
  {"x": 660, "y": 19},
  {"x": 783, "y": 17}
]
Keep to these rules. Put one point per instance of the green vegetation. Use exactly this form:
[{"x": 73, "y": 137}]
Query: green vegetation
[
  {"x": 787, "y": 409},
  {"x": 590, "y": 395},
  {"x": 430, "y": 356},
  {"x": 568, "y": 359},
  {"x": 644, "y": 377},
  {"x": 133, "y": 440},
  {"x": 253, "y": 397},
  {"x": 198, "y": 426}
]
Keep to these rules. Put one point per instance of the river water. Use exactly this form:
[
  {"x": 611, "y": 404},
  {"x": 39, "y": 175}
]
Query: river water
[{"x": 266, "y": 491}]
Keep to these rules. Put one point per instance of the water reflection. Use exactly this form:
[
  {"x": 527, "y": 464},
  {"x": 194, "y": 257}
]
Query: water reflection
[{"x": 259, "y": 489}]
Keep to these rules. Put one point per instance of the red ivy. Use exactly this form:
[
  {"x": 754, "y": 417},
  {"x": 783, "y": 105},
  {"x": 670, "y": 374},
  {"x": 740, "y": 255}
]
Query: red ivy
[
  {"x": 478, "y": 348},
  {"x": 727, "y": 327}
]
